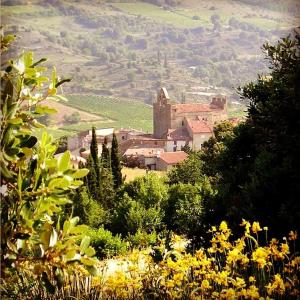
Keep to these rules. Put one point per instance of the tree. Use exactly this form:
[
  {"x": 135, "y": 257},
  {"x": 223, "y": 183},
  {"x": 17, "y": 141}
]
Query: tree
[
  {"x": 105, "y": 155},
  {"x": 188, "y": 171},
  {"x": 107, "y": 192},
  {"x": 116, "y": 163},
  {"x": 259, "y": 167},
  {"x": 34, "y": 184},
  {"x": 93, "y": 165}
]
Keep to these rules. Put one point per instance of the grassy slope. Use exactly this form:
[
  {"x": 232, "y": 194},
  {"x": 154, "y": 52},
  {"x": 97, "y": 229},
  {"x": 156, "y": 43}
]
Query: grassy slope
[{"x": 117, "y": 113}]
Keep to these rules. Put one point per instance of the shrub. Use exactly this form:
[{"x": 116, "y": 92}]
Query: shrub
[
  {"x": 105, "y": 243},
  {"x": 142, "y": 239}
]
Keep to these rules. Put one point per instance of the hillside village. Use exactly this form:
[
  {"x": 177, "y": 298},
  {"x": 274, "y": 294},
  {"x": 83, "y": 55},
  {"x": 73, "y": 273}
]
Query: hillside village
[{"x": 177, "y": 128}]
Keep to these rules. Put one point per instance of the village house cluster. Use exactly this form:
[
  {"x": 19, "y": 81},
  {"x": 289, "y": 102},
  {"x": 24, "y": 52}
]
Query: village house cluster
[{"x": 176, "y": 127}]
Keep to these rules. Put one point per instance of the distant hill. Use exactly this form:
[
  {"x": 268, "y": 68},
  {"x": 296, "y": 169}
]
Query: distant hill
[{"x": 128, "y": 50}]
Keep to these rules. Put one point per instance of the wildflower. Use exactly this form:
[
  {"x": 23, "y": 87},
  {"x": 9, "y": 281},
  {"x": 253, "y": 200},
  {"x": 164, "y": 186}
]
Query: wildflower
[
  {"x": 228, "y": 294},
  {"x": 247, "y": 226},
  {"x": 293, "y": 235},
  {"x": 240, "y": 283},
  {"x": 285, "y": 248},
  {"x": 251, "y": 279},
  {"x": 260, "y": 256},
  {"x": 223, "y": 226},
  {"x": 252, "y": 292},
  {"x": 277, "y": 286},
  {"x": 256, "y": 227},
  {"x": 205, "y": 285}
]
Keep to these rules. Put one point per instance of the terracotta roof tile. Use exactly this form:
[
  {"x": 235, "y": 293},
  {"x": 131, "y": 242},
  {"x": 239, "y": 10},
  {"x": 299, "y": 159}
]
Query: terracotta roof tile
[
  {"x": 198, "y": 126},
  {"x": 172, "y": 158},
  {"x": 194, "y": 107},
  {"x": 180, "y": 134}
]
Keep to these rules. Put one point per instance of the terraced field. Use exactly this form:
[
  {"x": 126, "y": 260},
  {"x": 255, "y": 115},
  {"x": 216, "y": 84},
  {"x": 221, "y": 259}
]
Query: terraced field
[{"x": 115, "y": 112}]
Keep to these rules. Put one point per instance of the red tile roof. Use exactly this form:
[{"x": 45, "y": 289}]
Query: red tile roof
[
  {"x": 180, "y": 134},
  {"x": 172, "y": 158},
  {"x": 194, "y": 107},
  {"x": 198, "y": 126}
]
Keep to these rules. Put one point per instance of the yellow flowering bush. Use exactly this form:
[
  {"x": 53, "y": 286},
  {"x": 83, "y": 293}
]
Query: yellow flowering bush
[{"x": 228, "y": 269}]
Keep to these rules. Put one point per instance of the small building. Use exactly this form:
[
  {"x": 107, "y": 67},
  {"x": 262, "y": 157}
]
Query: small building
[
  {"x": 144, "y": 156},
  {"x": 167, "y": 160}
]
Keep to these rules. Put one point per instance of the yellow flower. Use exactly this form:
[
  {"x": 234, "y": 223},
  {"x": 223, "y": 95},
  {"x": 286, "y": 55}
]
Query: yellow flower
[
  {"x": 240, "y": 283},
  {"x": 228, "y": 294},
  {"x": 255, "y": 227},
  {"x": 223, "y": 226},
  {"x": 205, "y": 285},
  {"x": 178, "y": 278},
  {"x": 293, "y": 235},
  {"x": 285, "y": 248},
  {"x": 260, "y": 256},
  {"x": 247, "y": 226},
  {"x": 252, "y": 292},
  {"x": 277, "y": 286}
]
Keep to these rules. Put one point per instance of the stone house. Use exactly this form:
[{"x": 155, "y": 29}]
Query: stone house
[
  {"x": 167, "y": 160},
  {"x": 188, "y": 123}
]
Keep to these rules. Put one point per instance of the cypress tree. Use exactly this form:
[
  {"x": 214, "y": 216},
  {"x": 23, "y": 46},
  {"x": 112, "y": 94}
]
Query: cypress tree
[
  {"x": 116, "y": 163},
  {"x": 105, "y": 156},
  {"x": 94, "y": 153},
  {"x": 107, "y": 192}
]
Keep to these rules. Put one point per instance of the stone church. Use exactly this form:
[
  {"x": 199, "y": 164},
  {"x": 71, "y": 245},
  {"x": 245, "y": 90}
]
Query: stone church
[{"x": 187, "y": 123}]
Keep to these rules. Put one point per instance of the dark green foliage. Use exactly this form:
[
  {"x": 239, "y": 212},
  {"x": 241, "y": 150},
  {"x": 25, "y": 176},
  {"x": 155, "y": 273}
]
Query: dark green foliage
[
  {"x": 105, "y": 243},
  {"x": 73, "y": 118},
  {"x": 140, "y": 206},
  {"x": 132, "y": 216},
  {"x": 188, "y": 171},
  {"x": 211, "y": 149},
  {"x": 88, "y": 210},
  {"x": 116, "y": 163},
  {"x": 142, "y": 239},
  {"x": 259, "y": 165},
  {"x": 92, "y": 181},
  {"x": 107, "y": 191},
  {"x": 183, "y": 211},
  {"x": 94, "y": 148},
  {"x": 105, "y": 155}
]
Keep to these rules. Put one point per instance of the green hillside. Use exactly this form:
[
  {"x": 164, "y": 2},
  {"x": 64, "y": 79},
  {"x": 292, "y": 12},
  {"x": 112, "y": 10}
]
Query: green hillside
[
  {"x": 117, "y": 113},
  {"x": 129, "y": 50}
]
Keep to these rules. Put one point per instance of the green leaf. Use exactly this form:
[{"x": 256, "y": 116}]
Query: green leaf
[
  {"x": 39, "y": 62},
  {"x": 92, "y": 270},
  {"x": 15, "y": 121},
  {"x": 88, "y": 261},
  {"x": 70, "y": 255},
  {"x": 84, "y": 244},
  {"x": 58, "y": 183},
  {"x": 64, "y": 161},
  {"x": 45, "y": 110},
  {"x": 27, "y": 141},
  {"x": 62, "y": 82},
  {"x": 80, "y": 173},
  {"x": 80, "y": 229},
  {"x": 90, "y": 251}
]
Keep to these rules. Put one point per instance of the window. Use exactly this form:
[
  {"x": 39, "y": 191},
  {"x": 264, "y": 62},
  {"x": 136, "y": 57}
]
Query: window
[
  {"x": 175, "y": 142},
  {"x": 182, "y": 123}
]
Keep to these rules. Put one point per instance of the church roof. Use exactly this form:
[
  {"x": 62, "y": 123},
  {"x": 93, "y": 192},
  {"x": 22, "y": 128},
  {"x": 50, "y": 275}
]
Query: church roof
[
  {"x": 194, "y": 107},
  {"x": 198, "y": 126},
  {"x": 172, "y": 158}
]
